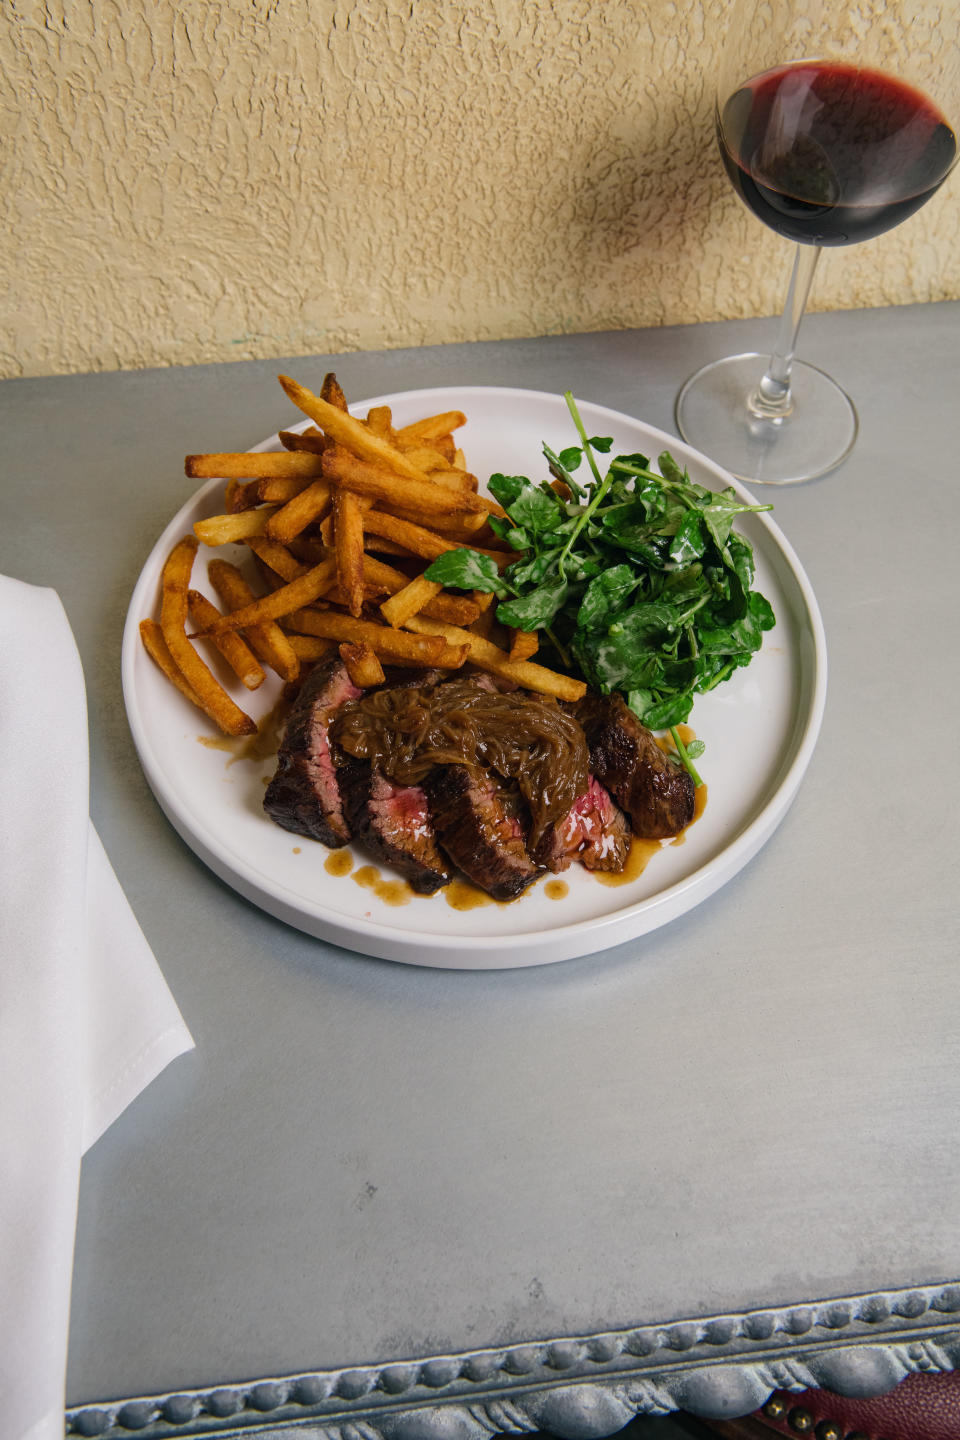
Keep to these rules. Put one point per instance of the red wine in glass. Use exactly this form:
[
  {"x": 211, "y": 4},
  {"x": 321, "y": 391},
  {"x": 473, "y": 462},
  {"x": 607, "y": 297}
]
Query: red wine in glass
[
  {"x": 833, "y": 128},
  {"x": 833, "y": 153}
]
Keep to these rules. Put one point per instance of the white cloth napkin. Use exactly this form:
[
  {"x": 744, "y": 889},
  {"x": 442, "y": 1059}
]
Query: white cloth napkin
[{"x": 86, "y": 1018}]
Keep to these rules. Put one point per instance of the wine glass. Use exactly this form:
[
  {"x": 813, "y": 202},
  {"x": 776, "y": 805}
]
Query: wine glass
[{"x": 835, "y": 123}]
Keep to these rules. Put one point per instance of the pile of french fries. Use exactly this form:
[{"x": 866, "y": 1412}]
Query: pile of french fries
[{"x": 340, "y": 526}]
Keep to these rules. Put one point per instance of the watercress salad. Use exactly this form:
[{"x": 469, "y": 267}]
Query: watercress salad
[{"x": 636, "y": 580}]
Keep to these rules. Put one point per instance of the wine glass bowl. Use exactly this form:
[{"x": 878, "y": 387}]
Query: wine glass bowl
[{"x": 833, "y": 127}]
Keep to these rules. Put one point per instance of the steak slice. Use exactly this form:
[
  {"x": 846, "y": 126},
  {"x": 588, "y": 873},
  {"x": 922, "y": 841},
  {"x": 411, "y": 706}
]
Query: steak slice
[
  {"x": 303, "y": 795},
  {"x": 393, "y": 821},
  {"x": 657, "y": 794},
  {"x": 479, "y": 829},
  {"x": 594, "y": 831}
]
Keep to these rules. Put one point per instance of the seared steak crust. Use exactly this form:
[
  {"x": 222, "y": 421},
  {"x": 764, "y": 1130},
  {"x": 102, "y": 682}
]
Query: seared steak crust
[
  {"x": 466, "y": 815},
  {"x": 473, "y": 820},
  {"x": 393, "y": 821},
  {"x": 303, "y": 795},
  {"x": 657, "y": 794}
]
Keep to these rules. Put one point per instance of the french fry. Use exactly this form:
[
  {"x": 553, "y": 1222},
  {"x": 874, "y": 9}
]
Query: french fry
[
  {"x": 337, "y": 598},
  {"x": 309, "y": 648},
  {"x": 266, "y": 640},
  {"x": 409, "y": 601},
  {"x": 418, "y": 492},
  {"x": 292, "y": 596},
  {"x": 281, "y": 489},
  {"x": 348, "y": 549},
  {"x": 156, "y": 648},
  {"x": 252, "y": 465},
  {"x": 332, "y": 392},
  {"x": 226, "y": 529},
  {"x": 300, "y": 511},
  {"x": 523, "y": 644},
  {"x": 418, "y": 540},
  {"x": 454, "y": 609},
  {"x": 241, "y": 495},
  {"x": 380, "y": 420},
  {"x": 485, "y": 624},
  {"x": 463, "y": 529},
  {"x": 210, "y": 694},
  {"x": 309, "y": 439},
  {"x": 382, "y": 546},
  {"x": 398, "y": 647},
  {"x": 453, "y": 478},
  {"x": 279, "y": 559},
  {"x": 431, "y": 427},
  {"x": 347, "y": 431},
  {"x": 435, "y": 456},
  {"x": 488, "y": 656},
  {"x": 232, "y": 647},
  {"x": 308, "y": 549},
  {"x": 363, "y": 666}
]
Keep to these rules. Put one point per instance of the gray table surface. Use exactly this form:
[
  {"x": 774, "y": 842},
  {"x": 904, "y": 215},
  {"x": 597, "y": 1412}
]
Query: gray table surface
[{"x": 753, "y": 1107}]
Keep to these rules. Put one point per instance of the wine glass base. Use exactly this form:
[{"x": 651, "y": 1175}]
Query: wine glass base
[{"x": 712, "y": 414}]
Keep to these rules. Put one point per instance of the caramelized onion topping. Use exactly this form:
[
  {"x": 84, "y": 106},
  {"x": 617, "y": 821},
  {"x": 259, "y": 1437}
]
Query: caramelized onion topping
[{"x": 406, "y": 731}]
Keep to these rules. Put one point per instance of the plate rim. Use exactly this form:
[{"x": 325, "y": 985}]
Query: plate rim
[{"x": 488, "y": 952}]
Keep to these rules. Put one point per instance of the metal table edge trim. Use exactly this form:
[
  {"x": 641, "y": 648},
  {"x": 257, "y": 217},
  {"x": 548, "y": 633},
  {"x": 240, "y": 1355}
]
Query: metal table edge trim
[{"x": 717, "y": 1367}]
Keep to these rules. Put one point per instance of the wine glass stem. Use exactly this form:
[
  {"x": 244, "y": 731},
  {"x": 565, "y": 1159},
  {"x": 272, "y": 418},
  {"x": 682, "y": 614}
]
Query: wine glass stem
[{"x": 772, "y": 400}]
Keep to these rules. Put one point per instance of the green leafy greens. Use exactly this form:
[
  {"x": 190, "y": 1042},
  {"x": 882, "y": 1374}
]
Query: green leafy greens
[{"x": 637, "y": 580}]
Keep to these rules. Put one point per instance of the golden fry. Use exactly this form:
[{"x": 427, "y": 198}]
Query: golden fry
[
  {"x": 398, "y": 647},
  {"x": 266, "y": 640},
  {"x": 409, "y": 601},
  {"x": 282, "y": 489},
  {"x": 454, "y": 609},
  {"x": 523, "y": 644},
  {"x": 490, "y": 657},
  {"x": 241, "y": 495},
  {"x": 419, "y": 492},
  {"x": 226, "y": 529},
  {"x": 341, "y": 427},
  {"x": 300, "y": 511},
  {"x": 308, "y": 648},
  {"x": 431, "y": 427},
  {"x": 332, "y": 392},
  {"x": 417, "y": 539},
  {"x": 252, "y": 465},
  {"x": 292, "y": 596},
  {"x": 380, "y": 420},
  {"x": 281, "y": 560},
  {"x": 309, "y": 439},
  {"x": 348, "y": 548},
  {"x": 435, "y": 456},
  {"x": 211, "y": 696},
  {"x": 156, "y": 648},
  {"x": 232, "y": 647},
  {"x": 363, "y": 666}
]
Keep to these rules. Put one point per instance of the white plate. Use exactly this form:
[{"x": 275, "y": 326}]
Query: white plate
[{"x": 759, "y": 728}]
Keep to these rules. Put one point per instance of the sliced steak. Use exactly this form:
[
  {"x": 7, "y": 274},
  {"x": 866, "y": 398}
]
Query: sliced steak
[
  {"x": 594, "y": 831},
  {"x": 479, "y": 828},
  {"x": 393, "y": 821},
  {"x": 656, "y": 793},
  {"x": 303, "y": 795}
]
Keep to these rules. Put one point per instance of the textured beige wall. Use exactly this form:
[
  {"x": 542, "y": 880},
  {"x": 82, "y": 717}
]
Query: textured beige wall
[{"x": 186, "y": 181}]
